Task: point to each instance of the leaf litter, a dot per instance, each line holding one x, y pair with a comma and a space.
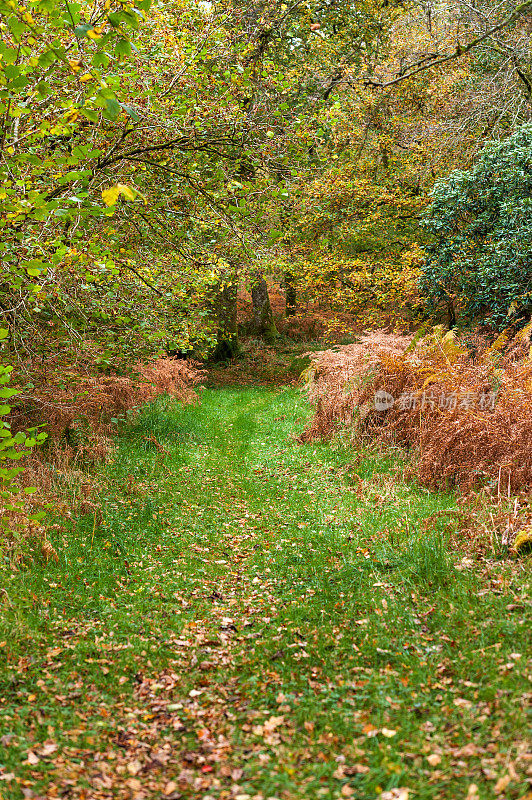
263, 672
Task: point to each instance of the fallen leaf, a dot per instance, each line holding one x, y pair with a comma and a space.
401, 793
434, 759
501, 784
32, 758
48, 748
134, 767
466, 751
388, 732
358, 769
272, 723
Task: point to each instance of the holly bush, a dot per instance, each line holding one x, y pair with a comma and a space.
480, 221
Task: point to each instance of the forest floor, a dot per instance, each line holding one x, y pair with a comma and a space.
249, 617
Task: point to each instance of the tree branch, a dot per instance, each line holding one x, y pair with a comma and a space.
148, 284
460, 50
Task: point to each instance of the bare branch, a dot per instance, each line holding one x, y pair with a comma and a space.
460, 50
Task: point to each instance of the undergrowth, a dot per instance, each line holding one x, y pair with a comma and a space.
461, 403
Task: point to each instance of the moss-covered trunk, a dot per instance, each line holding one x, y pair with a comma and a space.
263, 323
226, 322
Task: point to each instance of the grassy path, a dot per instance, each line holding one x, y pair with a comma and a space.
253, 618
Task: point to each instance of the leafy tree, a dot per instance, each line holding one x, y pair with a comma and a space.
479, 263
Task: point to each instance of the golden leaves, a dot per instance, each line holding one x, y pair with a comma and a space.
110, 196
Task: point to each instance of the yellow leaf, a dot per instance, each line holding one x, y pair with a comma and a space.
85, 78
127, 191
450, 346
111, 195
499, 342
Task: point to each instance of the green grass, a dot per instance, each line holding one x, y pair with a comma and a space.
303, 601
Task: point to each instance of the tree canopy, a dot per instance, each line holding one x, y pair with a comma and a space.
155, 157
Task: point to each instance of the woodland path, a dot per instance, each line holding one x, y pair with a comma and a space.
254, 618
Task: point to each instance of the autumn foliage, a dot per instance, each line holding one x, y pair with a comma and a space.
93, 401
462, 404
78, 421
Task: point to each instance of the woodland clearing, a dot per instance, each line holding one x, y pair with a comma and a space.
227, 229
254, 618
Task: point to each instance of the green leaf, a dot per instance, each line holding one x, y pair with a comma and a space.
82, 30
16, 26
101, 59
90, 114
112, 108
130, 112
47, 58
123, 47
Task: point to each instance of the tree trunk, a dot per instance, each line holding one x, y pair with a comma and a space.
226, 321
263, 323
290, 291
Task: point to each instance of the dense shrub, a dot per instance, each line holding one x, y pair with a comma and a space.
480, 264
463, 404
336, 379
70, 402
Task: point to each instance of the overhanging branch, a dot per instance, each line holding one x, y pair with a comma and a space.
460, 50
